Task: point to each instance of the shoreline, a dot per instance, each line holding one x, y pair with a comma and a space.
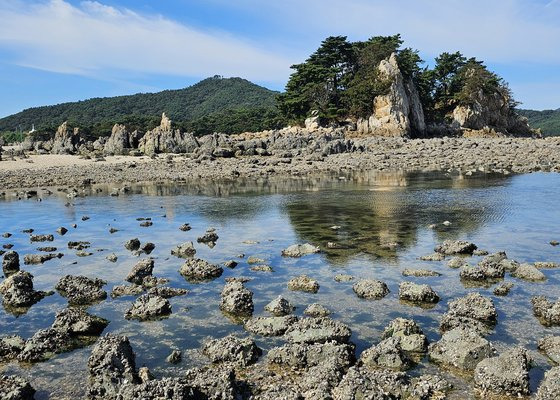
464, 155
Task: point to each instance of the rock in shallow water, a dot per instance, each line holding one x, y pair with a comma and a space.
149, 307
318, 330
232, 349
279, 307
236, 299
270, 326
370, 289
452, 247
303, 283
81, 290
412, 292
197, 270
300, 250
140, 271
546, 311
15, 388
472, 311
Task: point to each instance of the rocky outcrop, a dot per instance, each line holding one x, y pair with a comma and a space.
66, 140
163, 139
397, 113
121, 140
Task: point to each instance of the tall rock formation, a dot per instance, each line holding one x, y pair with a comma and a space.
164, 139
121, 140
399, 112
66, 140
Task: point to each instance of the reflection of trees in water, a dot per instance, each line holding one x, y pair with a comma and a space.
386, 218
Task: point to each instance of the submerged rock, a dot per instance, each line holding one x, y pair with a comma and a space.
81, 290
303, 283
472, 311
126, 290
270, 326
421, 273
200, 270
528, 272
412, 292
370, 289
550, 345
184, 250
140, 271
387, 354
318, 330
149, 307
461, 348
317, 310
236, 299
76, 321
547, 311
17, 291
10, 347
452, 247
299, 250
167, 292
505, 375
279, 307
44, 344
412, 339
232, 349
503, 289
34, 259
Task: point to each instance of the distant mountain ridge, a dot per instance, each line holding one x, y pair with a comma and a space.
547, 120
213, 104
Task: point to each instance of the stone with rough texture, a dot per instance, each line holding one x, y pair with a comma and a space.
317, 310
528, 272
241, 352
236, 299
66, 140
300, 250
184, 250
550, 385
547, 311
505, 375
370, 289
279, 307
200, 270
17, 290
140, 271
270, 326
76, 321
472, 311
387, 354
149, 307
81, 290
550, 345
15, 388
318, 330
165, 139
415, 293
10, 262
411, 336
453, 247
303, 283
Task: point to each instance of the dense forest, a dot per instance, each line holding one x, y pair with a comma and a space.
215, 104
548, 121
339, 80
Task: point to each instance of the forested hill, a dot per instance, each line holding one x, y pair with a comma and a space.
215, 104
548, 120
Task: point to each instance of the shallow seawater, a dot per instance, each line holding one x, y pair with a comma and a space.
517, 214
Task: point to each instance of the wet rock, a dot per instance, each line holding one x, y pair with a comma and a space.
318, 330
17, 291
261, 268
490, 268
62, 231
363, 383
317, 310
255, 260
461, 348
147, 247
140, 271
199, 270
112, 257
550, 345
433, 257
270, 326
132, 244
236, 299
387, 354
175, 357
528, 272
34, 259
10, 347
546, 265
503, 289
452, 247
420, 273
148, 307
509, 265
83, 253
429, 387
76, 321
279, 307
167, 292
81, 245
214, 383
126, 290
15, 388
230, 264
412, 339
210, 238
185, 227
232, 349
42, 238
303, 283
304, 355
505, 375
10, 263
550, 385
457, 262
343, 278
299, 250
185, 250
81, 290
472, 311
111, 366
146, 224
547, 311
412, 292
370, 289
47, 249
44, 344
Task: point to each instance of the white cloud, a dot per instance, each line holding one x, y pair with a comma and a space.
100, 41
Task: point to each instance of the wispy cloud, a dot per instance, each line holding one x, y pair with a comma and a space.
96, 40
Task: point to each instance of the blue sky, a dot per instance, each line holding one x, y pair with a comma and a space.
53, 51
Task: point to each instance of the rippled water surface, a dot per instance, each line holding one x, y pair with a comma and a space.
518, 214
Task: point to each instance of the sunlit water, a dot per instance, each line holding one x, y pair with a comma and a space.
518, 214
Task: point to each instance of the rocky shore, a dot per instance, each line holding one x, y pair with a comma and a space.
293, 153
